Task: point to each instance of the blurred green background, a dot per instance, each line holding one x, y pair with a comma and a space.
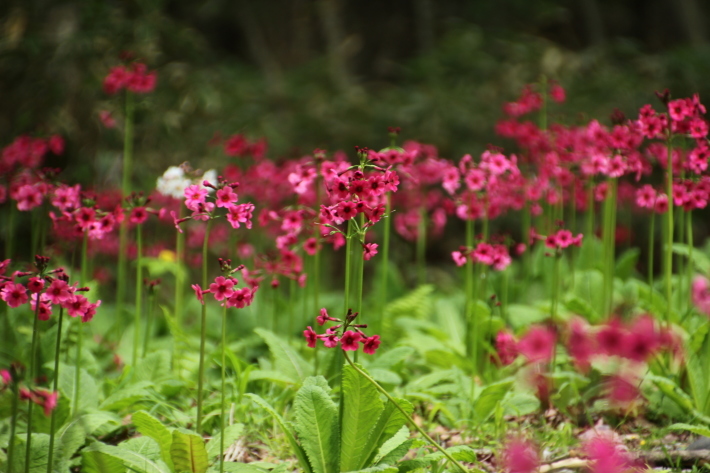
330, 74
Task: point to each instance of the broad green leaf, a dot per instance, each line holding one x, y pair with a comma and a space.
154, 368
88, 392
520, 404
390, 422
318, 381
581, 307
524, 315
128, 396
295, 446
392, 443
391, 358
416, 304
696, 429
286, 359
588, 285
99, 462
462, 453
234, 467
361, 411
385, 376
136, 462
317, 426
188, 452
491, 395
231, 434
151, 427
146, 446
699, 258
397, 453
39, 454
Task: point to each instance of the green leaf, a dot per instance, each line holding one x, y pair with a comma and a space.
361, 411
392, 443
391, 358
699, 258
151, 427
626, 263
295, 446
524, 315
146, 446
696, 429
286, 359
520, 404
39, 454
88, 392
397, 453
155, 367
128, 396
99, 462
488, 399
377, 469
231, 434
317, 426
134, 461
188, 452
390, 423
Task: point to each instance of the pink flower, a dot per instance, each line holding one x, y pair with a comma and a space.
14, 294
557, 93
56, 144
5, 377
310, 246
28, 197
50, 401
459, 258
519, 456
194, 196
138, 215
323, 317
371, 344
350, 339
507, 347
241, 298
226, 197
311, 337
241, 213
330, 340
76, 305
369, 250
199, 293
222, 287
607, 456
538, 344
35, 285
701, 295
58, 291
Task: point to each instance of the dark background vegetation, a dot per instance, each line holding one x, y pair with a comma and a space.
331, 73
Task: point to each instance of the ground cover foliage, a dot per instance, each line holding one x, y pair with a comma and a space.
421, 302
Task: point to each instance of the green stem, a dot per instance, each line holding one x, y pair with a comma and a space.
33, 375
179, 288
203, 332
668, 267
385, 261
149, 321
223, 407
125, 190
590, 210
404, 413
348, 268
555, 286
139, 295
52, 423
689, 269
470, 297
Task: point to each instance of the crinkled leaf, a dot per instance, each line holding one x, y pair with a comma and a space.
696, 429
286, 359
390, 422
491, 395
134, 461
361, 411
151, 427
188, 452
146, 446
88, 392
39, 454
128, 396
392, 443
155, 367
317, 426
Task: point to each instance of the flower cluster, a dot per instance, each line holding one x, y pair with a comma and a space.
44, 289
563, 239
349, 340
494, 255
135, 78
224, 288
225, 197
43, 398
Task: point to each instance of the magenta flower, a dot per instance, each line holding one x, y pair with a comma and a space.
226, 197
311, 337
222, 287
14, 294
199, 293
35, 285
607, 456
538, 344
241, 298
323, 317
519, 456
76, 305
370, 344
350, 339
58, 291
507, 347
369, 250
